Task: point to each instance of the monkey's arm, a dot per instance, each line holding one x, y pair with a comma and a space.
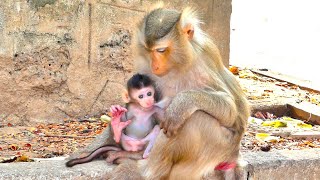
219, 105
117, 127
164, 103
158, 115
119, 121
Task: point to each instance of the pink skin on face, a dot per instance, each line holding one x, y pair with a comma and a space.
144, 96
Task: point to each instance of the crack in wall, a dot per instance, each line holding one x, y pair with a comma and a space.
90, 34
121, 7
64, 112
98, 96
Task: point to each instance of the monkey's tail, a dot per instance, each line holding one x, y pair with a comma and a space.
91, 156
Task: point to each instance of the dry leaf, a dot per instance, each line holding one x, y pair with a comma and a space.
234, 70
23, 158
13, 147
256, 120
247, 74
265, 147
27, 146
98, 131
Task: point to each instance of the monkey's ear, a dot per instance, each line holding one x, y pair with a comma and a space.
189, 30
125, 97
189, 22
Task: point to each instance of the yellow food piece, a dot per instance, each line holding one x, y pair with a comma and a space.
105, 118
276, 123
304, 125
280, 124
262, 136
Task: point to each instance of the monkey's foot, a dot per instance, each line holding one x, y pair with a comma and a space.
115, 155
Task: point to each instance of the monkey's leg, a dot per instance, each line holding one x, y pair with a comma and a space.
127, 170
216, 175
120, 161
230, 174
200, 145
93, 155
204, 144
151, 139
114, 155
158, 164
184, 170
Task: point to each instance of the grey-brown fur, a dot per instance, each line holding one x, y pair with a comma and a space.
159, 23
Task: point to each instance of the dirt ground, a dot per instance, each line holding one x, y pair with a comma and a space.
24, 143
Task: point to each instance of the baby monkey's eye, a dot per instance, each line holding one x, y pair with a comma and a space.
140, 96
149, 93
161, 50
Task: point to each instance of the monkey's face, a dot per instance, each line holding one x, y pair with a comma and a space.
171, 54
160, 58
144, 96
165, 42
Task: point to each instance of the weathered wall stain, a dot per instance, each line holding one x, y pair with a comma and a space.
41, 3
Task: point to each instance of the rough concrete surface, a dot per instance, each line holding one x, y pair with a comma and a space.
284, 164
64, 59
274, 165
53, 170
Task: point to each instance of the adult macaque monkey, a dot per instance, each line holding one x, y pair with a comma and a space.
207, 116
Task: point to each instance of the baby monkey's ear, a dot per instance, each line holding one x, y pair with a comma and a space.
125, 97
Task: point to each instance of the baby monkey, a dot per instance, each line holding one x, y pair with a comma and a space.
134, 127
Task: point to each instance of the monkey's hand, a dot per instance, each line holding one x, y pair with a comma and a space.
176, 114
219, 105
116, 124
117, 111
117, 128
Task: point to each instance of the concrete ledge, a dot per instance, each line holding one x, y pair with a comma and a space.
284, 164
55, 169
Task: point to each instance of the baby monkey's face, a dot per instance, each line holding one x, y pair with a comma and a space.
144, 96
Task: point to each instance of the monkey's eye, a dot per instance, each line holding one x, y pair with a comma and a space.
161, 50
149, 93
140, 96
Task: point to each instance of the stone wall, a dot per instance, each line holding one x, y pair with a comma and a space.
66, 58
